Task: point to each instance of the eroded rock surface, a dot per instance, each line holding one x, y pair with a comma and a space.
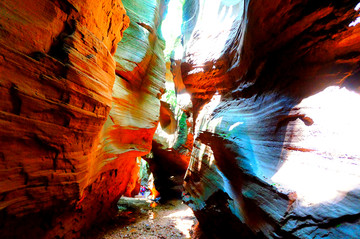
173, 138
140, 81
170, 156
139, 84
275, 129
70, 132
274, 86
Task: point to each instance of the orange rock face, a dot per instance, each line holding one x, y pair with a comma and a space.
71, 129
61, 167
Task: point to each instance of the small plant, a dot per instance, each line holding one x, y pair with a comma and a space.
170, 97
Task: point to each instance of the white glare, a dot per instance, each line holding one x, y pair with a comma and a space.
235, 125
330, 166
184, 100
207, 42
357, 8
183, 221
357, 20
171, 27
204, 119
354, 23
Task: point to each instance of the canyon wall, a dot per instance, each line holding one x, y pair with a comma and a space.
171, 148
139, 85
275, 89
70, 130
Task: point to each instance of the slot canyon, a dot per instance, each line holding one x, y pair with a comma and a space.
243, 109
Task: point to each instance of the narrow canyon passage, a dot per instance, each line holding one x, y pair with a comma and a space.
143, 118
138, 219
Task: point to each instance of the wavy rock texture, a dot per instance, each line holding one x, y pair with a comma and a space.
57, 73
273, 92
141, 72
139, 84
140, 81
171, 151
69, 139
173, 139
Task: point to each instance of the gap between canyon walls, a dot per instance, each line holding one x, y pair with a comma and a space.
144, 63
172, 143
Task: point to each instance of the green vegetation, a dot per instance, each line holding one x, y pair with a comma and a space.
183, 131
170, 97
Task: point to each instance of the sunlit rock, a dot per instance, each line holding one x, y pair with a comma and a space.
172, 142
70, 132
56, 78
139, 84
261, 121
274, 96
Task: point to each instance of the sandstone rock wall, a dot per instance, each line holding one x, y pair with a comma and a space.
274, 153
68, 138
139, 84
173, 138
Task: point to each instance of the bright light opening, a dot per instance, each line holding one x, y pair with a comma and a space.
204, 117
183, 100
207, 43
330, 169
171, 29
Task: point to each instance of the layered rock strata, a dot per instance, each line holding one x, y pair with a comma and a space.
273, 87
140, 80
173, 141
171, 151
70, 132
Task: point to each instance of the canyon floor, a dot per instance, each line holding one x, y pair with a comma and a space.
141, 218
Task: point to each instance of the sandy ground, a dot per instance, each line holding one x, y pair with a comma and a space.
137, 219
